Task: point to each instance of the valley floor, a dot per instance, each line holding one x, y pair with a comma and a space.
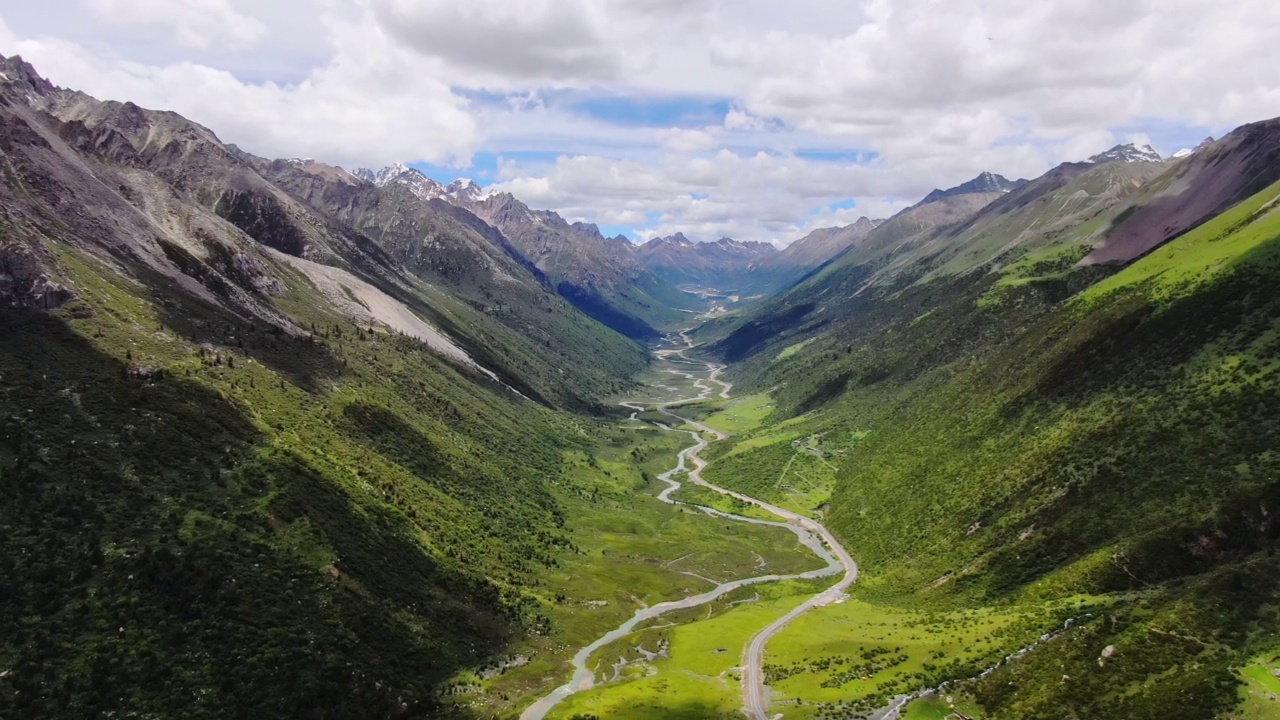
687, 586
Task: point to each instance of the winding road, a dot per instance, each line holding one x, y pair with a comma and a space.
755, 694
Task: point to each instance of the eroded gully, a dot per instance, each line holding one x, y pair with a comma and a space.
810, 533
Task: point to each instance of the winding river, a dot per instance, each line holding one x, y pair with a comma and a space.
810, 533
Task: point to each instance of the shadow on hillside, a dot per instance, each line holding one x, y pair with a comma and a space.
1157, 431
139, 574
393, 438
1131, 337
303, 360
590, 303
409, 614
755, 335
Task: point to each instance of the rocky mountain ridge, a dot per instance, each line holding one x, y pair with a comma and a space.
1129, 152
719, 264
985, 182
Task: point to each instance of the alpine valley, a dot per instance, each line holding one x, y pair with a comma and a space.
283, 440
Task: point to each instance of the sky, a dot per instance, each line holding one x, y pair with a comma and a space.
752, 119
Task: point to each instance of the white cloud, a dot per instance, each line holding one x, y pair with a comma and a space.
540, 40
1061, 66
760, 196
688, 141
194, 23
740, 120
505, 44
370, 104
818, 101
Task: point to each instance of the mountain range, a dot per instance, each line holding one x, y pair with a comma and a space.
600, 276
278, 439
718, 264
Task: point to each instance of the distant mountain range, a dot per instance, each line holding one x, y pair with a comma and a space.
984, 183
720, 264
600, 276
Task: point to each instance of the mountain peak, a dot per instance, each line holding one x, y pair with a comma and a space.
1188, 152
400, 174
16, 71
677, 239
1127, 153
462, 190
986, 182
466, 190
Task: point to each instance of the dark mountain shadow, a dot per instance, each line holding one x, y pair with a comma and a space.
303, 359
1132, 335
388, 435
595, 307
140, 573
753, 335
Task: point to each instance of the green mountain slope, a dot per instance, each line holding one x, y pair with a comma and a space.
1032, 429
254, 467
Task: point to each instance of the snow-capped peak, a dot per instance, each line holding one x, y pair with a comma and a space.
466, 190
417, 183
1127, 153
462, 190
1188, 152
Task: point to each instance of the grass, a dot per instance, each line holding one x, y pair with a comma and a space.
628, 549
353, 521
940, 708
1033, 447
857, 655
791, 350
1202, 253
736, 416
700, 671
1260, 689
796, 470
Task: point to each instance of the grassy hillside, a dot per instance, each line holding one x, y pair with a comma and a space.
1018, 437
258, 467
175, 473
215, 517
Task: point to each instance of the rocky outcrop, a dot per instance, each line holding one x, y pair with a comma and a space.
25, 281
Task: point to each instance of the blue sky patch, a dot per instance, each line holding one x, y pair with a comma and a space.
484, 166
857, 157
679, 111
